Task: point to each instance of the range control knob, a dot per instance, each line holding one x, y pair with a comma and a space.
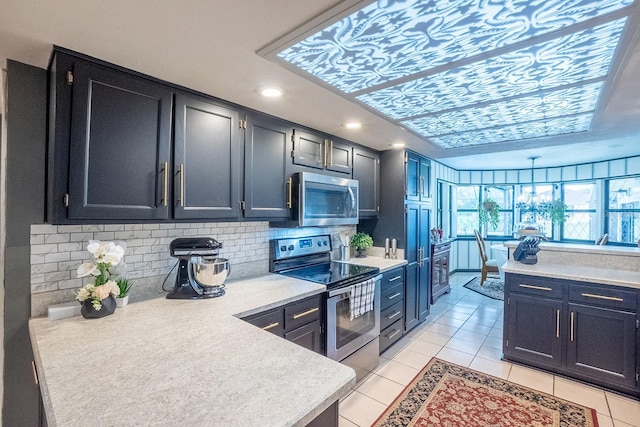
283, 248
290, 247
324, 243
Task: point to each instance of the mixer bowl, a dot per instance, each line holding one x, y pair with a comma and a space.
211, 272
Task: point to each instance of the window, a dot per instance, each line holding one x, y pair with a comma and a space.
504, 196
528, 213
581, 202
467, 201
623, 210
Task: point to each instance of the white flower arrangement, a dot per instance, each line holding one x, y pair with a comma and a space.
104, 256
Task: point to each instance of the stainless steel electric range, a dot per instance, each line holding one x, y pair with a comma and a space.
352, 335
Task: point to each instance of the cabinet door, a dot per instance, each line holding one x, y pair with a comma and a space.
413, 257
412, 179
265, 186
308, 336
424, 292
366, 169
207, 160
602, 344
339, 157
424, 177
411, 296
308, 150
120, 146
534, 330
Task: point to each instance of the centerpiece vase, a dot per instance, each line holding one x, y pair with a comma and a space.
361, 252
108, 307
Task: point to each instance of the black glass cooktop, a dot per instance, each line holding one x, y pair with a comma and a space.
333, 273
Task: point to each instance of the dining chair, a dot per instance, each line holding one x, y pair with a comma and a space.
488, 265
602, 240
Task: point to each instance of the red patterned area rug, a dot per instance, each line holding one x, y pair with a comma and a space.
444, 394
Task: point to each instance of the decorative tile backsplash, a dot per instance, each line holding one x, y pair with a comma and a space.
57, 251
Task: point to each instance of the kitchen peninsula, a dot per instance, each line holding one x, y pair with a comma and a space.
186, 362
575, 313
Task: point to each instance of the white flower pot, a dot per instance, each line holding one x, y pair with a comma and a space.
121, 302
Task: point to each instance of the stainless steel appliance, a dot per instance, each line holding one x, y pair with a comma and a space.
323, 200
352, 340
201, 274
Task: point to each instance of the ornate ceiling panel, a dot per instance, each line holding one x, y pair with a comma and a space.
468, 72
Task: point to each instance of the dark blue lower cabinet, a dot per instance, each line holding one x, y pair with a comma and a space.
602, 345
586, 331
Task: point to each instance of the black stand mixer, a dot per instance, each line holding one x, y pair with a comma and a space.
201, 274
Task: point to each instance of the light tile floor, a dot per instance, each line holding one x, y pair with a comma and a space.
465, 327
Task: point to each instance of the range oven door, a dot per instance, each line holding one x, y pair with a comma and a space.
324, 200
346, 336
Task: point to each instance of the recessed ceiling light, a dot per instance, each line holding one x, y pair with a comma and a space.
398, 145
353, 125
270, 91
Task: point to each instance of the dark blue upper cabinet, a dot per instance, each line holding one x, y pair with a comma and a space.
206, 170
119, 150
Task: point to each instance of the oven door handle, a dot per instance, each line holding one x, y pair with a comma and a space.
347, 289
341, 291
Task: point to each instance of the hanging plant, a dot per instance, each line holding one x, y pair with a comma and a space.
489, 212
555, 210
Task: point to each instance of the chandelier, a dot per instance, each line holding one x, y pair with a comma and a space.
536, 209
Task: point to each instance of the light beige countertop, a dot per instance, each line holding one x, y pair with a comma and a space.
185, 362
626, 251
384, 264
581, 273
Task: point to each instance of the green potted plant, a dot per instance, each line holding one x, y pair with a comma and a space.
361, 241
489, 212
125, 287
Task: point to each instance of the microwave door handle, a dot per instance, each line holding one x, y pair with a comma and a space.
352, 200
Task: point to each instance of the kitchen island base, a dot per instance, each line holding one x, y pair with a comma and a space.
582, 330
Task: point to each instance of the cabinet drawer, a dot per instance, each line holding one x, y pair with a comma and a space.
303, 312
390, 335
391, 295
390, 315
441, 248
604, 296
547, 288
271, 321
391, 278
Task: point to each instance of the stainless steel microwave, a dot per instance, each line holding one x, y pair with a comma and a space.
323, 200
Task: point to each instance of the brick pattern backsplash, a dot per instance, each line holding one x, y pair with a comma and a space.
57, 251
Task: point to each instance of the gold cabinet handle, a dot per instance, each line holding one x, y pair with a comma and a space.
325, 153
182, 184
393, 334
394, 315
166, 183
270, 326
603, 297
540, 288
305, 313
331, 155
35, 373
290, 199
557, 323
395, 295
572, 326
393, 279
